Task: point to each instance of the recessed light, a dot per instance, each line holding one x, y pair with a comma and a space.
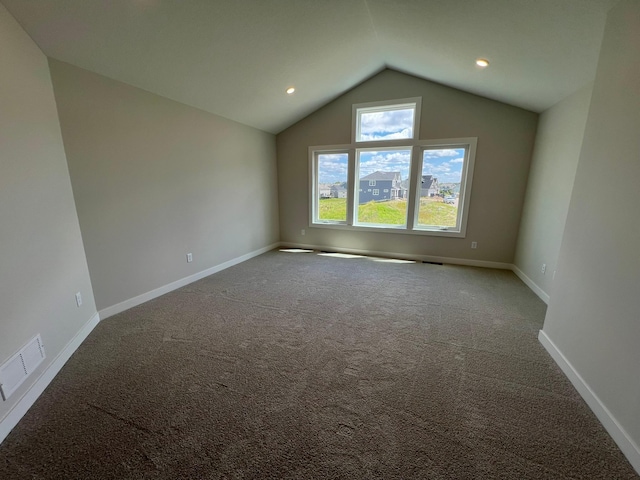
482, 62
290, 90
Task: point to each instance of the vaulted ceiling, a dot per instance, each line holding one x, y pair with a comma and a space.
235, 58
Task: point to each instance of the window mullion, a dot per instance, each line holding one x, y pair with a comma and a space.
414, 187
351, 182
313, 173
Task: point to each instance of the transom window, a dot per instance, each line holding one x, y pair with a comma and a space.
384, 121
389, 180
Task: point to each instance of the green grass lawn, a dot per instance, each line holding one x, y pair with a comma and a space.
332, 209
390, 213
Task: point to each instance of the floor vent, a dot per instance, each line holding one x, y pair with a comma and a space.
20, 366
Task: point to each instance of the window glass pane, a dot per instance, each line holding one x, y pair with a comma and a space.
385, 123
332, 186
440, 187
383, 186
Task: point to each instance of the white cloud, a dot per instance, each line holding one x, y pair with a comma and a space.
447, 152
457, 160
405, 133
333, 157
386, 125
391, 161
444, 171
431, 169
332, 167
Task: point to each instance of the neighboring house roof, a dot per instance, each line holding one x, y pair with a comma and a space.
338, 188
428, 181
381, 176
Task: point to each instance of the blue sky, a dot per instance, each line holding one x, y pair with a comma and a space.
386, 125
332, 167
444, 164
385, 161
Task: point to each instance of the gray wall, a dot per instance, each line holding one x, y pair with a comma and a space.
594, 313
553, 169
42, 262
505, 141
154, 179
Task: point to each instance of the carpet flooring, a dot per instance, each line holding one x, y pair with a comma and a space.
307, 366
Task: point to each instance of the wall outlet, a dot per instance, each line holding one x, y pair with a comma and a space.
79, 299
302, 232
474, 244
189, 257
544, 268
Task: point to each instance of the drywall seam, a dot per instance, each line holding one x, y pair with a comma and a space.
145, 297
608, 421
544, 296
31, 395
420, 258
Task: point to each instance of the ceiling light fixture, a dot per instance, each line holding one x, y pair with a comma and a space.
290, 90
482, 62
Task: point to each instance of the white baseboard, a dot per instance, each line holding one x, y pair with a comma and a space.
145, 297
31, 395
418, 258
608, 421
531, 284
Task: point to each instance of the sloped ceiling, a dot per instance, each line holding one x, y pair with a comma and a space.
235, 58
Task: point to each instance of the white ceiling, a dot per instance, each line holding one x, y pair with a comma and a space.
235, 58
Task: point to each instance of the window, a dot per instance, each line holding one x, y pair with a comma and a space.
389, 168
384, 121
330, 186
387, 179
442, 181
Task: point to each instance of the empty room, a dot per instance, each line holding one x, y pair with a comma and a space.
300, 239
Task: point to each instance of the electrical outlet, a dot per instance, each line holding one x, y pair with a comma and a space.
189, 257
302, 232
79, 299
544, 268
474, 244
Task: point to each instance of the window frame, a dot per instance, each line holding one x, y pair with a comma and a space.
380, 147
417, 148
314, 153
381, 106
464, 199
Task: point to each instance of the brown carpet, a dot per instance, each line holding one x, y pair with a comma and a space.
301, 366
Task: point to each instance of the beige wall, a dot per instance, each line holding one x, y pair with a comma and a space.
505, 141
594, 313
42, 261
154, 180
553, 169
